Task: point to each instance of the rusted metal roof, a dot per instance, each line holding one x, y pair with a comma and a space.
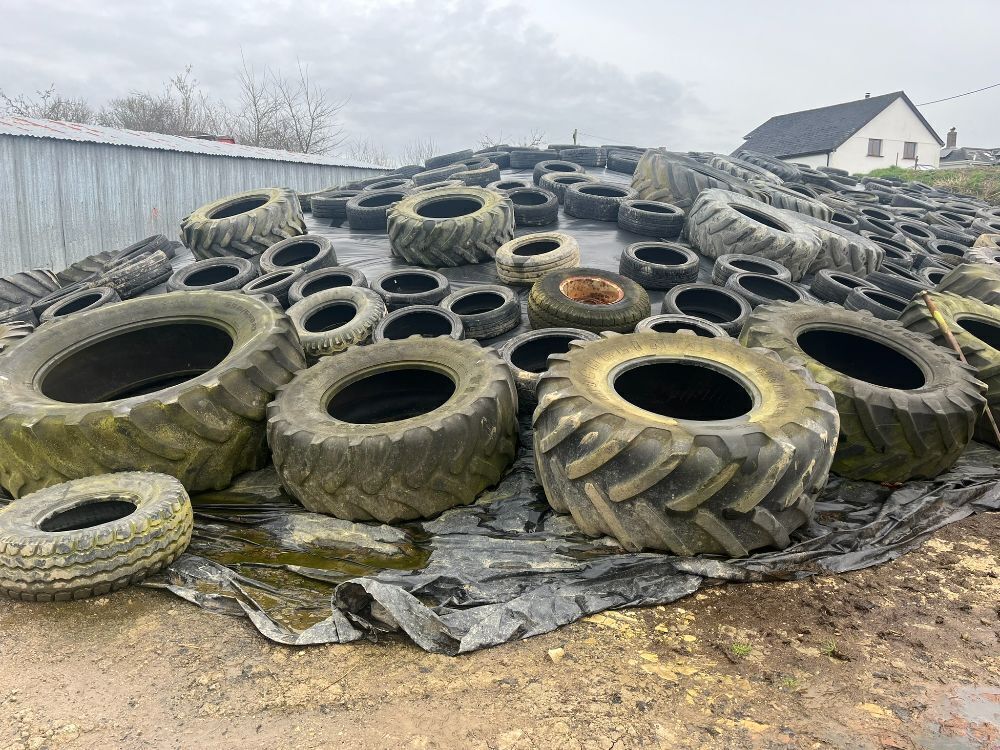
72, 131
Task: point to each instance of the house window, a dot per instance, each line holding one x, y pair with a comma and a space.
909, 150
874, 146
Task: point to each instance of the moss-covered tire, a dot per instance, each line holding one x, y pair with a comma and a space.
173, 383
907, 407
722, 222
244, 225
842, 249
977, 280
789, 200
673, 178
92, 536
682, 443
331, 321
450, 226
588, 298
395, 431
976, 327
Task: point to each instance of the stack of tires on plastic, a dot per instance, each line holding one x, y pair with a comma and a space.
791, 340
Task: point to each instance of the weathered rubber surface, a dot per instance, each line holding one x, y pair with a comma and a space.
548, 307
320, 338
946, 252
986, 254
437, 175
584, 156
716, 226
835, 286
659, 265
988, 240
391, 183
442, 160
60, 565
85, 299
246, 234
980, 281
332, 205
673, 178
557, 182
982, 354
369, 209
886, 434
527, 357
277, 283
472, 238
475, 307
213, 274
651, 218
726, 265
419, 320
525, 259
533, 207
723, 307
13, 331
84, 268
436, 185
842, 249
555, 167
306, 252
724, 486
676, 323
527, 158
764, 289
595, 200
325, 278
397, 287
784, 170
395, 471
203, 430
480, 176
745, 170
899, 281
878, 302
25, 287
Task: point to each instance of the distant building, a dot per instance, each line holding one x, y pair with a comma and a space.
859, 136
953, 157
69, 190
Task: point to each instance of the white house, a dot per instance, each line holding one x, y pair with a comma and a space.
859, 136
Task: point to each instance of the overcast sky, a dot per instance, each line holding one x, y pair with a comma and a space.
687, 75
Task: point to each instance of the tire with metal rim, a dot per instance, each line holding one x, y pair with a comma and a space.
172, 383
721, 306
907, 407
92, 536
334, 320
761, 289
525, 259
450, 226
834, 286
395, 431
325, 278
651, 218
659, 265
427, 321
674, 323
720, 222
486, 310
307, 252
527, 356
588, 298
213, 274
86, 299
411, 286
596, 200
726, 265
682, 443
243, 225
976, 327
677, 179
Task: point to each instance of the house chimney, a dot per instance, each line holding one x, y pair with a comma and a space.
952, 138
868, 94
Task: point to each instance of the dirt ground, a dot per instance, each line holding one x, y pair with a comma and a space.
900, 656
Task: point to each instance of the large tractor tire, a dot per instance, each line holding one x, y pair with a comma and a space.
395, 431
450, 226
682, 443
665, 176
92, 536
174, 383
907, 407
980, 281
244, 225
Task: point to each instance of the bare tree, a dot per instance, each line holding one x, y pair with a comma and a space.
531, 140
366, 150
308, 118
47, 105
417, 151
179, 109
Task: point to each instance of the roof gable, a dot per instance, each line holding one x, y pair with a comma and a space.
817, 131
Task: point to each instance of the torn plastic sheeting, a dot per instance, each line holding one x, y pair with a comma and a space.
508, 567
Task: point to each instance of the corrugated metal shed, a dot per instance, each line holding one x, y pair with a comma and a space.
69, 190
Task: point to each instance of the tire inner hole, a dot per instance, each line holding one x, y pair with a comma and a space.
448, 208
477, 302
533, 355
660, 256
408, 283
682, 390
213, 275
89, 513
237, 207
77, 304
859, 357
331, 316
391, 396
426, 323
759, 217
708, 304
296, 254
769, 287
538, 247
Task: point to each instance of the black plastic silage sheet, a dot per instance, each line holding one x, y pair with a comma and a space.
507, 567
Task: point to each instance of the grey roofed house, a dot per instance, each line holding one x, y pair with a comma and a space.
823, 130
969, 156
